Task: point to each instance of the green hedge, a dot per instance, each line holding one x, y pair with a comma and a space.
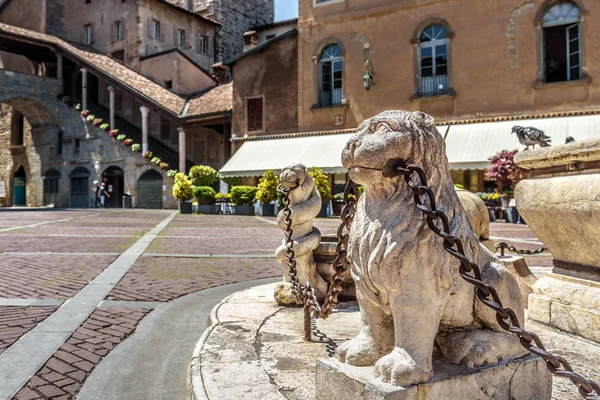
204, 195
243, 195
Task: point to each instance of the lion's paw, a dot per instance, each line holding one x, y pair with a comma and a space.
399, 368
360, 351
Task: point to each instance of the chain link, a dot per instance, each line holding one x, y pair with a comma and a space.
305, 294
505, 246
471, 273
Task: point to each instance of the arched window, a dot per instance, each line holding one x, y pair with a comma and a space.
562, 43
330, 76
433, 61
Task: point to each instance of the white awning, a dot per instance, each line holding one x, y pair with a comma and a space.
255, 157
470, 146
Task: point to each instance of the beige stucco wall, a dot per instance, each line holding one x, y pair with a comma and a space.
273, 74
487, 77
20, 13
186, 77
170, 20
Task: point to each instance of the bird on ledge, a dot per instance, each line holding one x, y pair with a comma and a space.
530, 136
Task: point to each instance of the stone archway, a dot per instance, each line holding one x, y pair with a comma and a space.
114, 179
149, 190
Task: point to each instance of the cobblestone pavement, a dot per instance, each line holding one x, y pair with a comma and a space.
54, 255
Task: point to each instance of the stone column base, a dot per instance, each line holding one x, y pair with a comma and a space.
569, 304
526, 378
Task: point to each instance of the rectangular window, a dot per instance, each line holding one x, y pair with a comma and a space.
169, 84
118, 31
59, 145
255, 114
155, 30
180, 38
433, 68
88, 32
562, 53
77, 146
203, 45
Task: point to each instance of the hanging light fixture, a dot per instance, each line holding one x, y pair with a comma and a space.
368, 77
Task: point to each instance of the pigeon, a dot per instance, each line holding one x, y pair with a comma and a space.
570, 139
530, 136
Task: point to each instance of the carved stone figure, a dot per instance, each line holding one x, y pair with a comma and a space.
477, 213
305, 203
409, 290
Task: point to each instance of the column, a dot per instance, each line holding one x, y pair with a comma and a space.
182, 156
145, 111
83, 89
59, 66
111, 99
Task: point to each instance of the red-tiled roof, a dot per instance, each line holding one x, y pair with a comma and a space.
214, 101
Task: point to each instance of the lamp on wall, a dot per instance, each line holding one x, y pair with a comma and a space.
368, 77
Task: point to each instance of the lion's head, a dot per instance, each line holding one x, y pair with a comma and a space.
410, 136
292, 175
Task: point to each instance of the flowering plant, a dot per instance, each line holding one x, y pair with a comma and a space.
148, 155
504, 171
219, 196
128, 142
97, 122
172, 172
104, 127
90, 118
156, 160
164, 165
84, 113
121, 138
113, 133
136, 147
78, 107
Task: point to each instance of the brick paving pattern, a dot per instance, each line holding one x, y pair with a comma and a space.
224, 232
63, 375
48, 276
72, 244
17, 321
165, 279
56, 229
255, 246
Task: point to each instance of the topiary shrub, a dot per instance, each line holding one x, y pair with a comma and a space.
232, 180
322, 182
183, 189
243, 195
203, 175
205, 195
267, 187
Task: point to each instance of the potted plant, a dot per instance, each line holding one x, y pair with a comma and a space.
78, 107
338, 203
164, 165
136, 147
105, 127
203, 175
322, 184
205, 196
121, 138
90, 118
156, 160
266, 193
148, 155
97, 122
84, 114
171, 173
243, 198
183, 191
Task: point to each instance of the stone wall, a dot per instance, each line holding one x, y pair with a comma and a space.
83, 146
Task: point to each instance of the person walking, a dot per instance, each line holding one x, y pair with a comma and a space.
102, 194
96, 190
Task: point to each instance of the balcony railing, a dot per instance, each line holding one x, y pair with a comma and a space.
434, 85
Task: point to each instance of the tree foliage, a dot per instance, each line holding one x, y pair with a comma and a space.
203, 175
183, 189
504, 171
267, 187
322, 182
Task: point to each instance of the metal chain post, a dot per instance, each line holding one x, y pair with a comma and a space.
305, 294
505, 316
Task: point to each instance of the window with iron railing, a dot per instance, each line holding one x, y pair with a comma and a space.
433, 61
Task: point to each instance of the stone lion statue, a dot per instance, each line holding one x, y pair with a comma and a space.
305, 203
410, 294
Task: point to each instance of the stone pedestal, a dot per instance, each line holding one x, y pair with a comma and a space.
526, 378
559, 202
569, 304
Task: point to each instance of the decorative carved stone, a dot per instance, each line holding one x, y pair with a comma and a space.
408, 288
305, 203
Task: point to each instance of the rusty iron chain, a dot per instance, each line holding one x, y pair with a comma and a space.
305, 294
502, 246
505, 316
